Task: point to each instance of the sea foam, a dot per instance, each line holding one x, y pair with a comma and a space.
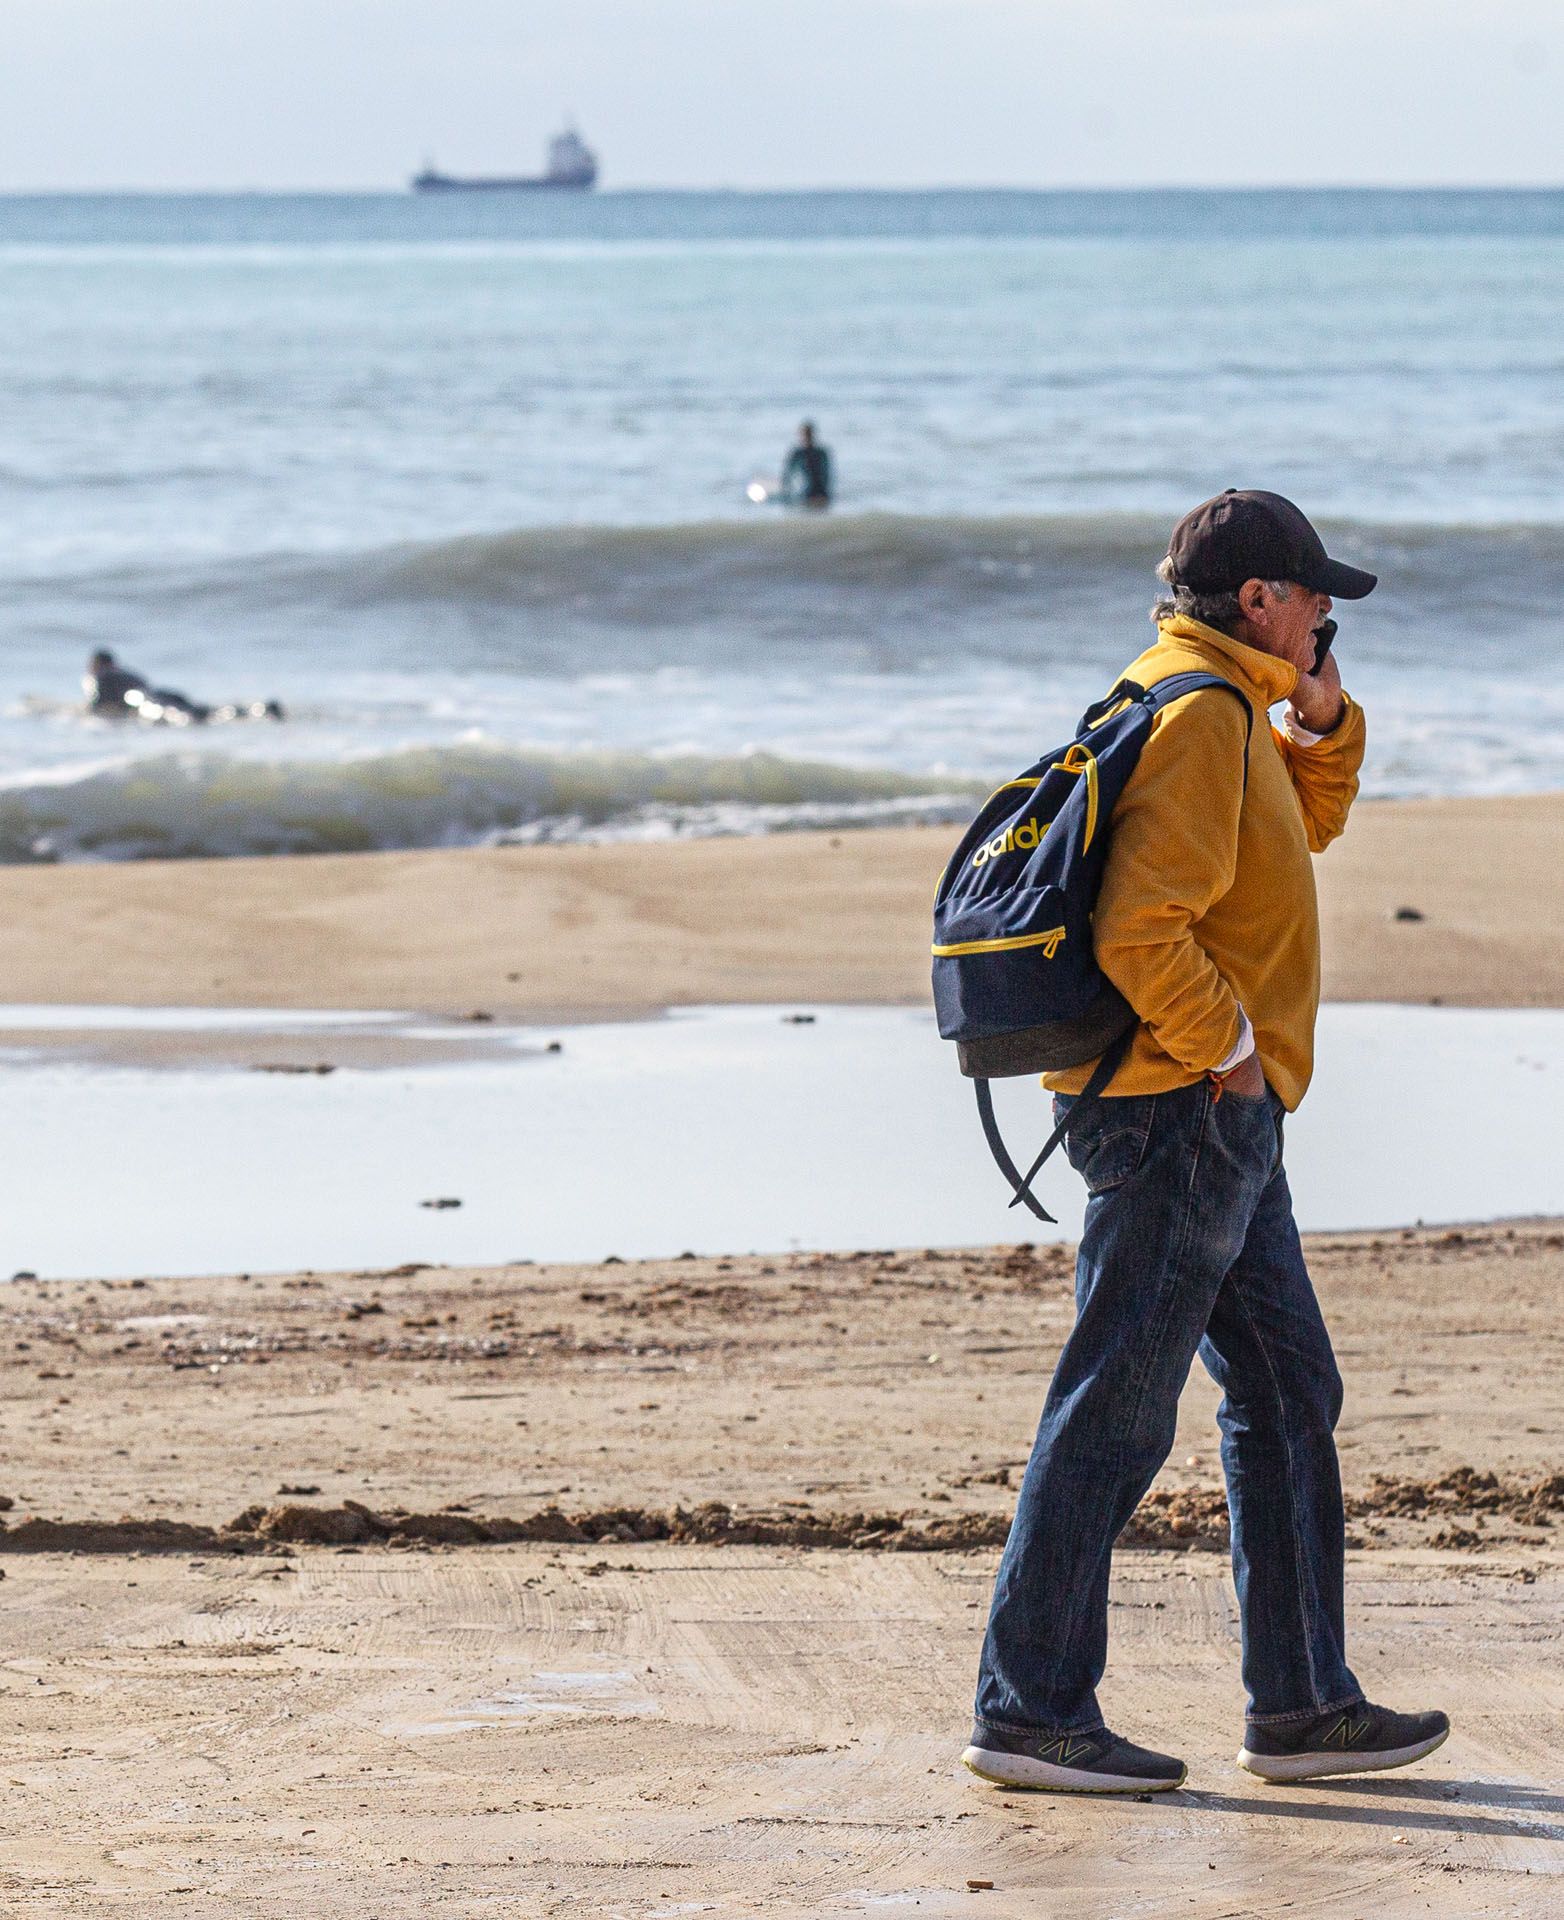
194, 804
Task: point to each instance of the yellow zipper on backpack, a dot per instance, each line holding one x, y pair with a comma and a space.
1050, 940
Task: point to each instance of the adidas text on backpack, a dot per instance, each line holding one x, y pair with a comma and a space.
1016, 980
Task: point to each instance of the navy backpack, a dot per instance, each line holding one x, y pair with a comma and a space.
1016, 980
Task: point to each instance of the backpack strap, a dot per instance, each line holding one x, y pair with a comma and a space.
1162, 693
1115, 697
1021, 1184
1001, 1153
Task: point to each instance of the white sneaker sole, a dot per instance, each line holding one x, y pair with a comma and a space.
1320, 1766
1017, 1771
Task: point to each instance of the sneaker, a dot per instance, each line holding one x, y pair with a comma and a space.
1097, 1762
1355, 1739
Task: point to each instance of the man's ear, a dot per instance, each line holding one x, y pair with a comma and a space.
1251, 601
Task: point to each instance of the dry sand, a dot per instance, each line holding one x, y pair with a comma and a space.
551, 932
539, 1673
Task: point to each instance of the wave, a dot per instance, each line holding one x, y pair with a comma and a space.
665, 575
662, 576
633, 569
652, 575
199, 805
857, 595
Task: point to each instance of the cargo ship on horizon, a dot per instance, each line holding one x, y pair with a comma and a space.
572, 168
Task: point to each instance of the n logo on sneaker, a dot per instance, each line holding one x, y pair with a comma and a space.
1066, 1750
1346, 1732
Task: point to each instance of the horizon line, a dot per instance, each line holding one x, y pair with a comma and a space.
402, 189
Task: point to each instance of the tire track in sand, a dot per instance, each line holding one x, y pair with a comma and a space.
765, 1732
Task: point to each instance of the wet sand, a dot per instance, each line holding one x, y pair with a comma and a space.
451, 1591
593, 932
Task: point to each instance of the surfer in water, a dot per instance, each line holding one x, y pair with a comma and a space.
806, 473
115, 693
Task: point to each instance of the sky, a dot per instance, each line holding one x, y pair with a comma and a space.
162, 94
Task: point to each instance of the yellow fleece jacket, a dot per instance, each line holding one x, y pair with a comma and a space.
1207, 902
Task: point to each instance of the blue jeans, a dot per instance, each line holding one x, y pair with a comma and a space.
1189, 1246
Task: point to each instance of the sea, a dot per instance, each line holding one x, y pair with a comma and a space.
461, 482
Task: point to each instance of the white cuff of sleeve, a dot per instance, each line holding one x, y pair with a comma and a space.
1297, 732
1243, 1046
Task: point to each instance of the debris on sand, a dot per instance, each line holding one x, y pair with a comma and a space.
1179, 1517
1462, 1491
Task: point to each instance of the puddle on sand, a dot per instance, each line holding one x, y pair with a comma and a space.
711, 1122
614, 1695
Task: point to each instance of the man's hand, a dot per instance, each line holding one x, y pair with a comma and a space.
1316, 700
1247, 1079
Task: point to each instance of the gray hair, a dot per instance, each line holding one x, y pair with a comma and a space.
1219, 610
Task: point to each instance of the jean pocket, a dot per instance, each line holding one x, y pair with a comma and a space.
1107, 1140
1250, 1126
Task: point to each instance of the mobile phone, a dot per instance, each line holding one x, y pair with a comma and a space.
1324, 634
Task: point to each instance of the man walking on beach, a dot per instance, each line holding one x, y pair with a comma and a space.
1206, 922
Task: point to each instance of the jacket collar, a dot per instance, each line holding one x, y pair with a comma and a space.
1261, 675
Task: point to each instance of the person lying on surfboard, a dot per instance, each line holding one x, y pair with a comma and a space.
114, 692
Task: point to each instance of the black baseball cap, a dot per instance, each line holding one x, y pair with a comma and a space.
1250, 535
